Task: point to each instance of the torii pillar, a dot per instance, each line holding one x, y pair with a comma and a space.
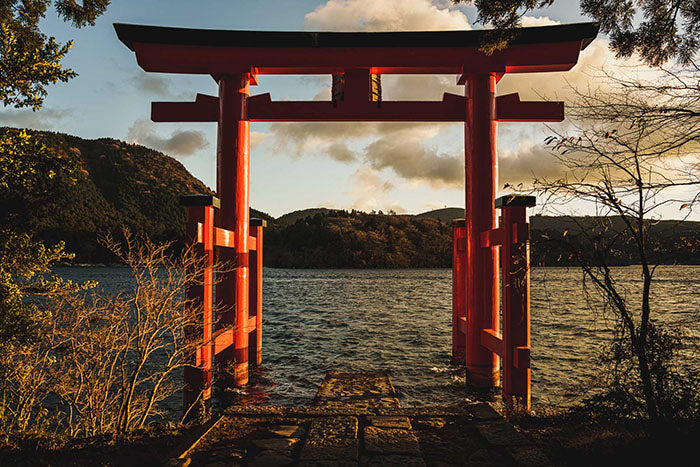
232, 187
481, 170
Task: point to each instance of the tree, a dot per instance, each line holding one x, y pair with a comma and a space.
106, 362
30, 62
30, 59
634, 150
670, 28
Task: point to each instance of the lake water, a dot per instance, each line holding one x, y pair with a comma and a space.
400, 320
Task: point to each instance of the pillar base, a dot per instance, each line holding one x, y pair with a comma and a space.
240, 374
483, 377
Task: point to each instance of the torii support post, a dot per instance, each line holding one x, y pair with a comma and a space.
233, 150
482, 263
200, 233
255, 295
514, 344
515, 274
459, 290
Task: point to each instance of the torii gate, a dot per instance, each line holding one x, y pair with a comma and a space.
356, 61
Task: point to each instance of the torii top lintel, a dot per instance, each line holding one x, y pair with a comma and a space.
357, 56
180, 50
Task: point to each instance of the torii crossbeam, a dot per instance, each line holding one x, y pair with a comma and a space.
236, 58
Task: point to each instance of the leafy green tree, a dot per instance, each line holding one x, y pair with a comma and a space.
30, 61
670, 29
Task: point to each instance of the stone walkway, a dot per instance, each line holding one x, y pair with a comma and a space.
356, 420
386, 439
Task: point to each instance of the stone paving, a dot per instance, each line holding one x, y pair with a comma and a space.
356, 420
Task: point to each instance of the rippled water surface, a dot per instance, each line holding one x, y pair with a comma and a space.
400, 320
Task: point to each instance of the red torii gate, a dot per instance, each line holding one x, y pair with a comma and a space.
235, 59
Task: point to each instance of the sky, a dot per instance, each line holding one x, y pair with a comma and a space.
404, 167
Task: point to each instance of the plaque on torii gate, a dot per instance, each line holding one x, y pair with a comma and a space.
236, 58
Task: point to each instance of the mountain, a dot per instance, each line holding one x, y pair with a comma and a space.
117, 184
342, 239
294, 216
669, 241
444, 215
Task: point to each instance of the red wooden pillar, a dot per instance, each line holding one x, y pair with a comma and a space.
482, 263
200, 231
459, 290
515, 273
232, 184
255, 293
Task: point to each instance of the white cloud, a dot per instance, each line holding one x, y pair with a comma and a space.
180, 142
398, 146
43, 119
152, 84
371, 192
409, 158
387, 15
406, 148
258, 138
532, 21
529, 160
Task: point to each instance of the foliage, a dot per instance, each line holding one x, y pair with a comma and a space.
342, 239
621, 394
27, 173
633, 152
670, 29
25, 270
31, 60
105, 363
111, 184
100, 185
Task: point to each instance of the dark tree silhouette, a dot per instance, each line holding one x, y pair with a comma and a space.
670, 29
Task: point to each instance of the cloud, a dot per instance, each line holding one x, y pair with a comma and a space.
410, 159
42, 119
399, 147
419, 87
180, 142
388, 15
522, 153
558, 86
371, 192
405, 148
152, 84
532, 21
257, 138
529, 160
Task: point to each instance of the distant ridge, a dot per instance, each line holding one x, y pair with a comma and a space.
119, 184
444, 214
294, 216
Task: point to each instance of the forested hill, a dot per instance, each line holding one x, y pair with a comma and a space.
117, 184
342, 239
319, 238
